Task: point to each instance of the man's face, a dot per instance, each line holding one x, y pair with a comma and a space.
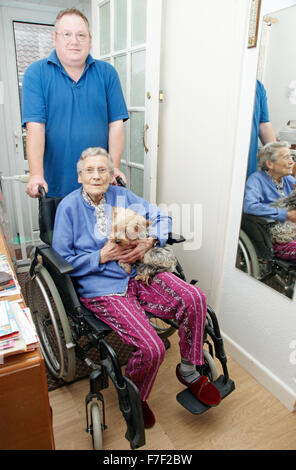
72, 40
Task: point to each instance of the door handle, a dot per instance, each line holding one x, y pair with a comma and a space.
144, 138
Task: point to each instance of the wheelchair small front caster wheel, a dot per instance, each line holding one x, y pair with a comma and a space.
96, 427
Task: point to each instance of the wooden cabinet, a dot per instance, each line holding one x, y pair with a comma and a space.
25, 414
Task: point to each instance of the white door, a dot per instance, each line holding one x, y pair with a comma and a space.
27, 37
127, 34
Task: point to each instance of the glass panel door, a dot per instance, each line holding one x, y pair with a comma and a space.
122, 43
32, 42
26, 37
127, 34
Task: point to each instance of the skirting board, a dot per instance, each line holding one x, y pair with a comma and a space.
286, 395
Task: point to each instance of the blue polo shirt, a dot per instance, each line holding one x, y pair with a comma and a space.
76, 114
260, 114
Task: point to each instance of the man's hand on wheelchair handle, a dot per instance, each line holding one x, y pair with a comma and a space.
118, 173
32, 187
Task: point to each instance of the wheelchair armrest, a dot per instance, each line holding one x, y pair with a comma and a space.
258, 219
265, 221
59, 264
175, 238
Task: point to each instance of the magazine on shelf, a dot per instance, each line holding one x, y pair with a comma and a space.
8, 325
26, 338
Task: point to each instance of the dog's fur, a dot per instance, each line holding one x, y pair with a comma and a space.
284, 232
127, 225
287, 202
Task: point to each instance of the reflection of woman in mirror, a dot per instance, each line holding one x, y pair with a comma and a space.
273, 181
261, 127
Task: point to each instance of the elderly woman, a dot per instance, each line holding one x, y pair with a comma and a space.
273, 181
82, 226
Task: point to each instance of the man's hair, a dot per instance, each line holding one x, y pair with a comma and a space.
270, 152
71, 11
94, 152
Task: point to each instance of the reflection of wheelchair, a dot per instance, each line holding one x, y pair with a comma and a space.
255, 254
64, 321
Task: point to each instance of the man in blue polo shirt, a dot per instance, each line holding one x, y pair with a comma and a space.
70, 102
261, 127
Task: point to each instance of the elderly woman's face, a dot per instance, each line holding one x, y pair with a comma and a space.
95, 176
284, 164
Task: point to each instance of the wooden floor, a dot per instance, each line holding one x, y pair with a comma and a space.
249, 418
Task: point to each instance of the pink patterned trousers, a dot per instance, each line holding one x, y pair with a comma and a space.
167, 297
285, 250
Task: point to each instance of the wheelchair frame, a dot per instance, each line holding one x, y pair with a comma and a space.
67, 321
255, 250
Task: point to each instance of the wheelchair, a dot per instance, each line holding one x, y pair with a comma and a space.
255, 255
61, 325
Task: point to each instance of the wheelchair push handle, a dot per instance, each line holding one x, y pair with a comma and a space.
120, 181
41, 191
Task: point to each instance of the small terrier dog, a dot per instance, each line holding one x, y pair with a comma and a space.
287, 202
127, 225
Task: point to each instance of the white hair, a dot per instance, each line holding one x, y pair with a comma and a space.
94, 152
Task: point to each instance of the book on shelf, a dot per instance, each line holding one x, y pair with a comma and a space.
24, 338
8, 283
26, 325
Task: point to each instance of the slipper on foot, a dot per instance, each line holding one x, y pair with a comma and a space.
202, 389
148, 415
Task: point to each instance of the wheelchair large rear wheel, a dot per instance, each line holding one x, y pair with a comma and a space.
247, 259
163, 329
52, 326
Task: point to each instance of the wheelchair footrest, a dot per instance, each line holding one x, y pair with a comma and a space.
192, 404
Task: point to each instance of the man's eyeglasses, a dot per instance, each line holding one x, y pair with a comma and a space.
80, 37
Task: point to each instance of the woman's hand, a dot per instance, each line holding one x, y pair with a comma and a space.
291, 216
113, 251
140, 247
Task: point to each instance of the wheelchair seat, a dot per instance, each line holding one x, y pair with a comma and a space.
256, 254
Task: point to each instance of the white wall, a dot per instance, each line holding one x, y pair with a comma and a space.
259, 324
200, 74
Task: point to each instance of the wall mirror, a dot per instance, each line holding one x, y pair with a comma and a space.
277, 73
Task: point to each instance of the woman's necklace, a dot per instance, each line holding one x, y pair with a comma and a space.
279, 184
102, 220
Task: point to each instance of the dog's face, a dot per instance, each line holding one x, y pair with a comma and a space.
127, 225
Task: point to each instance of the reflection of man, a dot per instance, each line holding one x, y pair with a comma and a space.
70, 102
261, 127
